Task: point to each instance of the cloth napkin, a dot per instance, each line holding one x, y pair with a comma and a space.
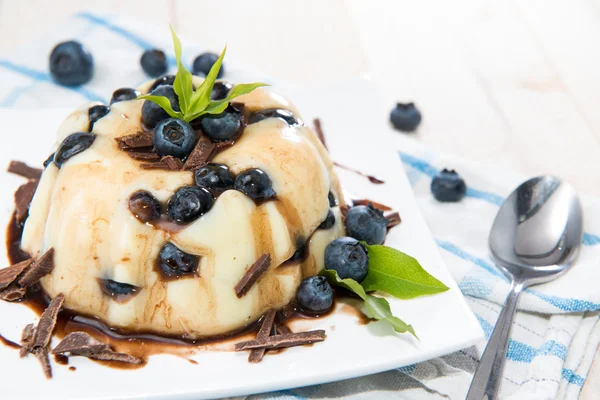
556, 331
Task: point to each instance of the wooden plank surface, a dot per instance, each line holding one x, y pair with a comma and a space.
511, 82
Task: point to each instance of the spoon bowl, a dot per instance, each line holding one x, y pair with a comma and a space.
534, 239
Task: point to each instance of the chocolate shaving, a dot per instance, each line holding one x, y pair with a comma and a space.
319, 131
257, 355
201, 154
282, 329
42, 355
224, 143
13, 293
172, 163
43, 332
24, 170
143, 156
344, 210
10, 274
366, 202
251, 276
140, 139
169, 163
82, 344
27, 340
40, 268
23, 197
282, 341
393, 219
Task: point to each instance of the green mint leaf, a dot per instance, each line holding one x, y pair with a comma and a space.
201, 97
164, 103
195, 103
243, 88
378, 308
394, 272
183, 78
375, 307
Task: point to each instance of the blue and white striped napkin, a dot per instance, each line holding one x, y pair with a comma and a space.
556, 332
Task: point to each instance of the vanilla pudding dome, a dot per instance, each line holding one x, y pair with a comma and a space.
178, 229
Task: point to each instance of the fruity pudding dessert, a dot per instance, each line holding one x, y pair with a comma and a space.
193, 208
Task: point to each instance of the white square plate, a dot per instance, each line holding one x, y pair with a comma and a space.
357, 137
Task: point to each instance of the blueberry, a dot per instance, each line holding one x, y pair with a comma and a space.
331, 198
222, 126
73, 144
154, 62
144, 206
348, 257
220, 90
215, 177
285, 115
329, 221
168, 80
189, 203
300, 253
71, 64
366, 223
204, 62
315, 295
174, 262
97, 112
448, 186
152, 113
49, 160
255, 184
405, 117
173, 137
117, 289
124, 94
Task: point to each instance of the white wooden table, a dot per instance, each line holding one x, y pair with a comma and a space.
516, 83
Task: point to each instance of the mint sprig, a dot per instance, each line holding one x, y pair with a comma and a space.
375, 307
195, 103
393, 272
396, 273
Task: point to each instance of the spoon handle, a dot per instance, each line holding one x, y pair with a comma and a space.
486, 380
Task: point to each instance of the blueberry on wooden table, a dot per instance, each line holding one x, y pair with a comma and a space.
189, 203
204, 62
154, 62
255, 183
124, 94
366, 223
448, 186
222, 126
348, 257
215, 177
73, 144
173, 137
405, 117
152, 113
315, 295
174, 262
144, 206
71, 64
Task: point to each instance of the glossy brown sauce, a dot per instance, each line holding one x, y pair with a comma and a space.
371, 178
9, 343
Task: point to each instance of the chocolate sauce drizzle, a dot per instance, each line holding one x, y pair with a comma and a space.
371, 178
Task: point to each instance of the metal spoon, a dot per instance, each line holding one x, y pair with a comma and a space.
535, 238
